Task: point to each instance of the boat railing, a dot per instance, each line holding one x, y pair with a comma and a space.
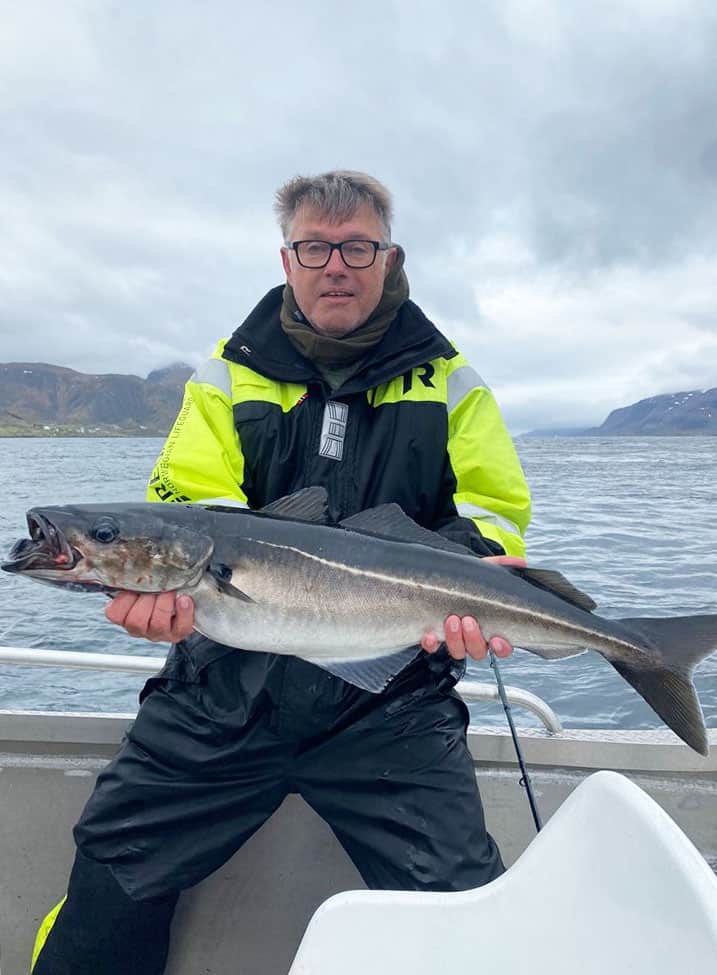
474, 690
470, 690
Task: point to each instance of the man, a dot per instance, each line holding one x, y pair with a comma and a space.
335, 380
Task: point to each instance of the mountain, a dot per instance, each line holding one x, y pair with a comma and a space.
545, 432
37, 399
175, 375
692, 413
669, 415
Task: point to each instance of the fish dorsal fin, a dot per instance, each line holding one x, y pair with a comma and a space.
390, 521
308, 504
556, 583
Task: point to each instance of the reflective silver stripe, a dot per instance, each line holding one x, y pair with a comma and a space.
333, 430
214, 372
460, 382
227, 502
473, 511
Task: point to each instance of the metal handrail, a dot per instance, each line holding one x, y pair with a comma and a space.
31, 657
473, 690
470, 690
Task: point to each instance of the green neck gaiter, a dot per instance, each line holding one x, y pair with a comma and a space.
331, 353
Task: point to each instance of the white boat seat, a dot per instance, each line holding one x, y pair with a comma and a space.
611, 885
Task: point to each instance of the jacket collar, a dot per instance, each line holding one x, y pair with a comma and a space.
261, 344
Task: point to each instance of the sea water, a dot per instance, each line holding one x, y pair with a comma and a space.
632, 522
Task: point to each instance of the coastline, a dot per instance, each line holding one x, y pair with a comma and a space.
95, 431
38, 432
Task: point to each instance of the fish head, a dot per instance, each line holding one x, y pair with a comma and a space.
141, 548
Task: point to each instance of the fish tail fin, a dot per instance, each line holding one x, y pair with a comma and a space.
681, 642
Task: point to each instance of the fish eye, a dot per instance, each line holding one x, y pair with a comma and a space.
105, 531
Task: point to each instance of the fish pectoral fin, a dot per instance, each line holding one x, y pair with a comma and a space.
222, 576
370, 675
555, 582
308, 504
391, 522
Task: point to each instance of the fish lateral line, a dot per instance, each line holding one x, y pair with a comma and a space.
508, 606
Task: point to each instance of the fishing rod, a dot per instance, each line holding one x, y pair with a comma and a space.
525, 780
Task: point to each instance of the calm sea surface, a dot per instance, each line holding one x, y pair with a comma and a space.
633, 522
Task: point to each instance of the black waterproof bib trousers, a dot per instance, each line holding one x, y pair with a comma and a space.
209, 759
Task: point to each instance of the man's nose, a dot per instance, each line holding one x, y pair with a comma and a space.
336, 263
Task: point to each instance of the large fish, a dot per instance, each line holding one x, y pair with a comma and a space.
354, 598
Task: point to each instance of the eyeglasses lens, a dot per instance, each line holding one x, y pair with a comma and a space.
317, 253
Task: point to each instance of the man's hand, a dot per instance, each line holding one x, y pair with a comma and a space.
463, 634
163, 618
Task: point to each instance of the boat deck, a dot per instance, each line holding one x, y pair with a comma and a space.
250, 916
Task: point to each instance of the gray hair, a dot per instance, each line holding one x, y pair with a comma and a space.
336, 195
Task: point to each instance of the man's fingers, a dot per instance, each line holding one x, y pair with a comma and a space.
183, 618
515, 560
453, 635
473, 638
500, 646
463, 635
160, 618
116, 610
463, 638
138, 617
430, 642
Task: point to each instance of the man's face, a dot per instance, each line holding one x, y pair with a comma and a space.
336, 299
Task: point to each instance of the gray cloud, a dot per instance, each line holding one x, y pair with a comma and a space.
553, 165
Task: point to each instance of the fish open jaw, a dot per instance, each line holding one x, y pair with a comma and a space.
45, 549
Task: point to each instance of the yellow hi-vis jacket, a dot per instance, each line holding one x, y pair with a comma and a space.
415, 425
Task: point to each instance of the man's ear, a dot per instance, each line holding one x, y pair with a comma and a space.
391, 255
287, 265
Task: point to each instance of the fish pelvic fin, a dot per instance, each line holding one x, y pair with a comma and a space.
681, 642
372, 675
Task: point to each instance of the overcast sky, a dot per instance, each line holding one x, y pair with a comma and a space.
553, 165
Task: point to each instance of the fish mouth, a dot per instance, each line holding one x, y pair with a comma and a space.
46, 548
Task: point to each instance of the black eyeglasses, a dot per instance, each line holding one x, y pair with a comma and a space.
354, 253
